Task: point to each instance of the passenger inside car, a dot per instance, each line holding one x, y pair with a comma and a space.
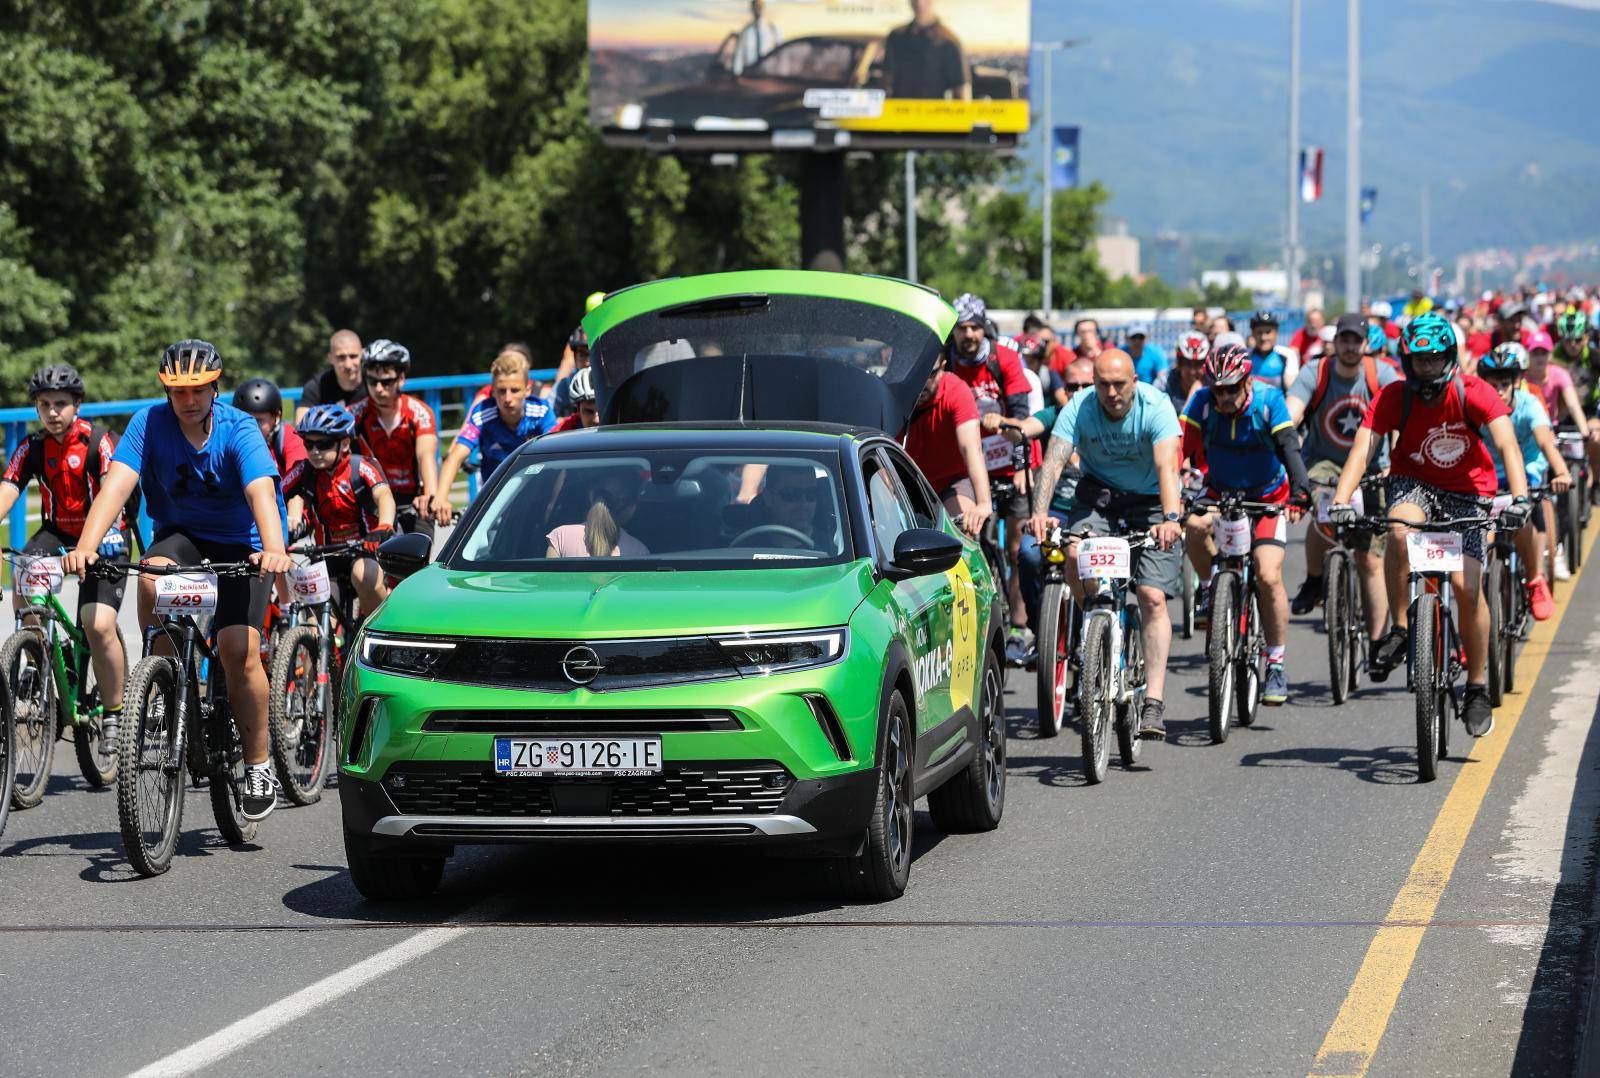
613, 498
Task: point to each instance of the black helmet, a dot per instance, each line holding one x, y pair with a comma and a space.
256, 395
190, 363
385, 353
58, 377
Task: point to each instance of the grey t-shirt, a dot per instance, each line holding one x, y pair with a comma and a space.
1328, 434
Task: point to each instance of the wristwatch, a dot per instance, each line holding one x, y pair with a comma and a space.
1171, 518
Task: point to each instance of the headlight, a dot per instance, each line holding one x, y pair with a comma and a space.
403, 654
771, 653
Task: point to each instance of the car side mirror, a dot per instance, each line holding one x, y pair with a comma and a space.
403, 555
923, 552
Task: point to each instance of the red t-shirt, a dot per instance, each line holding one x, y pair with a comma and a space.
66, 484
1061, 357
571, 422
1480, 343
991, 397
396, 450
931, 436
1440, 446
287, 449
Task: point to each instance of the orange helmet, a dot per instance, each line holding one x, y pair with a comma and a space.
190, 363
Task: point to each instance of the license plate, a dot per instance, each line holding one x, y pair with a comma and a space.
527, 756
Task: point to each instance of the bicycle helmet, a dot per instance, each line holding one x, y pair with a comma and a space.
1193, 347
56, 378
1430, 335
385, 353
578, 338
1572, 326
1377, 339
1227, 366
190, 363
1263, 318
1507, 357
258, 395
581, 388
332, 420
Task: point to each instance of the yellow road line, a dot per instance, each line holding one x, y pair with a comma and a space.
1348, 1048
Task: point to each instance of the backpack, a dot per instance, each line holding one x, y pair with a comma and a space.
1258, 422
1369, 367
91, 466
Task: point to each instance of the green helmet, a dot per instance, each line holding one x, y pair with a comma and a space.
1572, 326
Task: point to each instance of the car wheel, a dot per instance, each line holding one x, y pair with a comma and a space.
976, 797
387, 877
879, 870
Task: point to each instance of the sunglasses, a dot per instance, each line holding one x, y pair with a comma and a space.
795, 494
392, 380
1073, 387
347, 355
319, 445
1229, 391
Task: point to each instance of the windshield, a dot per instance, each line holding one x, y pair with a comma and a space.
649, 510
814, 61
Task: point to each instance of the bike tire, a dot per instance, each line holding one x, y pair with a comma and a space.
8, 759
301, 738
1221, 637
1574, 530
1190, 584
150, 727
225, 757
99, 768
1055, 658
1095, 710
1127, 715
25, 666
1252, 662
1499, 618
1513, 602
1336, 615
1425, 679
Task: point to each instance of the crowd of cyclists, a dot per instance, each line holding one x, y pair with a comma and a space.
1032, 443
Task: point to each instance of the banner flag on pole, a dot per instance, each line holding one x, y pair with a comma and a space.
1064, 158
1311, 174
1369, 198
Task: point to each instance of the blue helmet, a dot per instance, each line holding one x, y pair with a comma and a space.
1430, 335
1377, 339
333, 420
1506, 357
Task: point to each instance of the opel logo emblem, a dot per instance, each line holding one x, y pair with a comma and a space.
581, 665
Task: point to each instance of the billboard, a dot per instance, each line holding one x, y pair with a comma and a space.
779, 74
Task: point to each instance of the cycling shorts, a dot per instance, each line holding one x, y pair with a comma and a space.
240, 600
1107, 512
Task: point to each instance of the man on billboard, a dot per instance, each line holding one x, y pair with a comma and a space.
758, 38
924, 60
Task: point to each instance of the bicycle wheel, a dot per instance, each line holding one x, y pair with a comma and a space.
1514, 607
8, 758
1128, 714
1051, 674
1573, 529
1252, 661
97, 758
1358, 630
1222, 636
1190, 584
25, 665
1094, 699
1336, 617
1499, 618
1426, 664
226, 760
150, 778
299, 724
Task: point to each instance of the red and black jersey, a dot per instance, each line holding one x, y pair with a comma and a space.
69, 472
395, 451
287, 448
341, 499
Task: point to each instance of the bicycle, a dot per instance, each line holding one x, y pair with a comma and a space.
307, 659
1572, 510
170, 725
50, 682
991, 541
1056, 636
1235, 647
1111, 688
1510, 615
1344, 611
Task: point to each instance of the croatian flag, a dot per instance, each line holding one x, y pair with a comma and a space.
1311, 174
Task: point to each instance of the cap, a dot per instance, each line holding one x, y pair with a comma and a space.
1537, 339
1509, 310
1381, 309
1137, 329
1352, 323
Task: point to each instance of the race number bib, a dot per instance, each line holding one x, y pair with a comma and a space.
1435, 552
1104, 558
996, 450
310, 583
186, 593
38, 577
1232, 536
1572, 448
1325, 500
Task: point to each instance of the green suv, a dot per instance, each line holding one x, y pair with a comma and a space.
734, 613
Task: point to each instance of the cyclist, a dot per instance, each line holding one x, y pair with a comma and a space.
574, 360
69, 458
586, 413
400, 433
1260, 459
347, 496
1275, 366
1127, 439
1440, 468
942, 437
341, 382
1329, 398
261, 399
1183, 377
1503, 369
212, 491
496, 427
1576, 350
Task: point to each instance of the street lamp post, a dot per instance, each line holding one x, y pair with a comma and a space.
1292, 254
1047, 135
1352, 163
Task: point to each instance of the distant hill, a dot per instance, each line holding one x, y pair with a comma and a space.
1184, 112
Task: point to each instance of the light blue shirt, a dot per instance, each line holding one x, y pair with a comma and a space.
1119, 454
1151, 362
1527, 416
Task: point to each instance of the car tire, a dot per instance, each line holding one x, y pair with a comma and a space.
975, 799
387, 877
880, 870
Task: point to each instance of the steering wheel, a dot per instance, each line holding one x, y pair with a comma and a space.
795, 533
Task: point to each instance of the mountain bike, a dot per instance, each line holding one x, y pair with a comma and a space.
1572, 508
1056, 635
1111, 687
176, 715
1344, 611
1510, 615
303, 683
50, 680
1235, 647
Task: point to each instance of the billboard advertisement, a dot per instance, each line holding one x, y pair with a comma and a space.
764, 74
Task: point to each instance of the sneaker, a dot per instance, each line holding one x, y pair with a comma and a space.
1152, 726
1562, 572
110, 732
1016, 646
260, 793
1539, 600
1309, 597
1275, 690
1387, 653
1476, 714
1202, 605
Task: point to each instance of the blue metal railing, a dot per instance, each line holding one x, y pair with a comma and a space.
1166, 331
432, 390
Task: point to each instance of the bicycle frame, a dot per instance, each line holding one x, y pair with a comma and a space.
63, 637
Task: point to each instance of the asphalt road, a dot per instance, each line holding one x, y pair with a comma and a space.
1222, 910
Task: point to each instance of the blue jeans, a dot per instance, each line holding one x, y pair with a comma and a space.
1030, 571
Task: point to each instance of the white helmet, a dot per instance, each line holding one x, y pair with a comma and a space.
581, 388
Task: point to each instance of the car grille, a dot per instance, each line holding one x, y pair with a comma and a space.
581, 722
622, 664
433, 788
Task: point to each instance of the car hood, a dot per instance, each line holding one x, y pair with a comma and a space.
440, 601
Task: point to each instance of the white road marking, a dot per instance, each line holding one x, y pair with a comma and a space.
248, 1030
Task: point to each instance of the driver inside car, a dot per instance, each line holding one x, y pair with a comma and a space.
789, 502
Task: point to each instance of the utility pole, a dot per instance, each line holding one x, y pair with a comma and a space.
911, 215
1291, 259
1352, 163
1427, 252
1046, 142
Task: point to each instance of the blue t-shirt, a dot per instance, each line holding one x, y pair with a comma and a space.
1119, 454
1151, 362
1527, 416
1240, 451
495, 441
1269, 367
200, 491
